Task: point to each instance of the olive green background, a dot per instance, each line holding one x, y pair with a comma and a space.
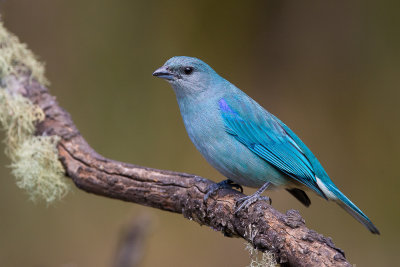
329, 69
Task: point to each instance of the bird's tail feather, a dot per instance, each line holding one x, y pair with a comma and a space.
353, 210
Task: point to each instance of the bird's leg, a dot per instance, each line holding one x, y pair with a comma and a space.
226, 184
248, 200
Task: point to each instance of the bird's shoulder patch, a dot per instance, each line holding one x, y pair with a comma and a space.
261, 133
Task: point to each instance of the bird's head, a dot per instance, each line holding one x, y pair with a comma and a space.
187, 75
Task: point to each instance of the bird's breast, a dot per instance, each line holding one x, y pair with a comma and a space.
207, 131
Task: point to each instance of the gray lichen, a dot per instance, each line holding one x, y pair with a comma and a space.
34, 159
13, 53
260, 259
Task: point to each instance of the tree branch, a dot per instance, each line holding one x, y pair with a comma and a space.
264, 227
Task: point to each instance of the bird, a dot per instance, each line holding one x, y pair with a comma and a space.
243, 141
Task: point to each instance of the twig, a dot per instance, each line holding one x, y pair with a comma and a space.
131, 245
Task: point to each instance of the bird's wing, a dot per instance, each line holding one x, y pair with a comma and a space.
264, 135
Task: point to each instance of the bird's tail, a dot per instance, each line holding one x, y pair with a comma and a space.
353, 210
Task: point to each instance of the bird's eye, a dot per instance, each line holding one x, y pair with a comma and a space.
188, 70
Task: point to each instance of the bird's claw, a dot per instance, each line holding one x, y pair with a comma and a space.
248, 200
226, 184
235, 186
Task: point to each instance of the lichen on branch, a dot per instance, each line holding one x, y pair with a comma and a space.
14, 54
34, 159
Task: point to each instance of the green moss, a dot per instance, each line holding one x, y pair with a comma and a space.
259, 259
34, 159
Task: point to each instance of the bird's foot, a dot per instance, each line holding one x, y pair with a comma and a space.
226, 184
246, 201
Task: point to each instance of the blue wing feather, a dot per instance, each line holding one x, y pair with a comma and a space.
264, 135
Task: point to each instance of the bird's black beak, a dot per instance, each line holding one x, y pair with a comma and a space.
164, 73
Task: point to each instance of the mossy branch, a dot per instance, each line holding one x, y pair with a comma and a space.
44, 144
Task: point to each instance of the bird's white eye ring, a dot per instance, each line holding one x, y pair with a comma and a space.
188, 70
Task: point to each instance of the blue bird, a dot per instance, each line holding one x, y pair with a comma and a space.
244, 142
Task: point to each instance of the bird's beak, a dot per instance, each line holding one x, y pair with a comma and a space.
164, 73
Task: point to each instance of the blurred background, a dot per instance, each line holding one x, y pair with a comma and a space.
328, 69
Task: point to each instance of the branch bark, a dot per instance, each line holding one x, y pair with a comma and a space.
264, 227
